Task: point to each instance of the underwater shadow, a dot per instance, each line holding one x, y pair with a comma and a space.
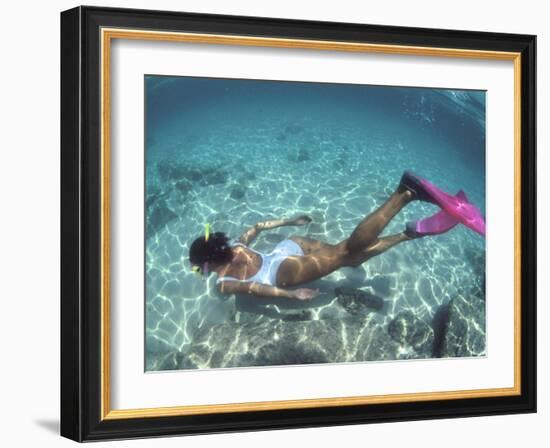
287, 309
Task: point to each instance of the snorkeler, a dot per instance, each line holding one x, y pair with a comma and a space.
298, 260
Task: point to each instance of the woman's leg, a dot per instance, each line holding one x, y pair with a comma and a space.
380, 246
309, 245
367, 232
297, 270
359, 247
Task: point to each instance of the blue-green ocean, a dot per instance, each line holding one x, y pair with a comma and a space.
234, 152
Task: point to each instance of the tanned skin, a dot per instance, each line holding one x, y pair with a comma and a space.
319, 259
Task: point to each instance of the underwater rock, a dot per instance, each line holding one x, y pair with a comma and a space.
170, 171
164, 169
381, 284
356, 301
183, 186
439, 325
214, 177
158, 215
290, 350
476, 258
375, 345
303, 155
165, 361
258, 314
276, 342
192, 174
407, 329
153, 190
153, 197
237, 192
464, 331
298, 316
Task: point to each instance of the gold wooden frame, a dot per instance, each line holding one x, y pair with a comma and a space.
107, 35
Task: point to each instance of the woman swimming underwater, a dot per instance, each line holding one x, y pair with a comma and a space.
298, 260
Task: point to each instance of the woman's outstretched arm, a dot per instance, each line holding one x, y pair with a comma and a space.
259, 289
250, 235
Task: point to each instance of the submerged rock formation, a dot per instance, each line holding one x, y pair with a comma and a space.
296, 337
464, 332
158, 214
356, 301
412, 332
275, 342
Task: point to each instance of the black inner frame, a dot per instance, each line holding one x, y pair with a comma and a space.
80, 224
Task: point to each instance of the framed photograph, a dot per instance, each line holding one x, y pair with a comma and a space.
274, 223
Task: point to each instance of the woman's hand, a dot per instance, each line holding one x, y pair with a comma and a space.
305, 293
302, 220
261, 290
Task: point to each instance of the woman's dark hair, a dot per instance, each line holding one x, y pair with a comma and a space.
215, 250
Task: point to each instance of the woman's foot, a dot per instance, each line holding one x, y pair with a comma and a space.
454, 209
412, 183
437, 224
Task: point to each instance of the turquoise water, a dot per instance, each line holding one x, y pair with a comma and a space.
235, 152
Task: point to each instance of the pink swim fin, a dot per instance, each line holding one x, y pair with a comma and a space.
456, 207
439, 223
